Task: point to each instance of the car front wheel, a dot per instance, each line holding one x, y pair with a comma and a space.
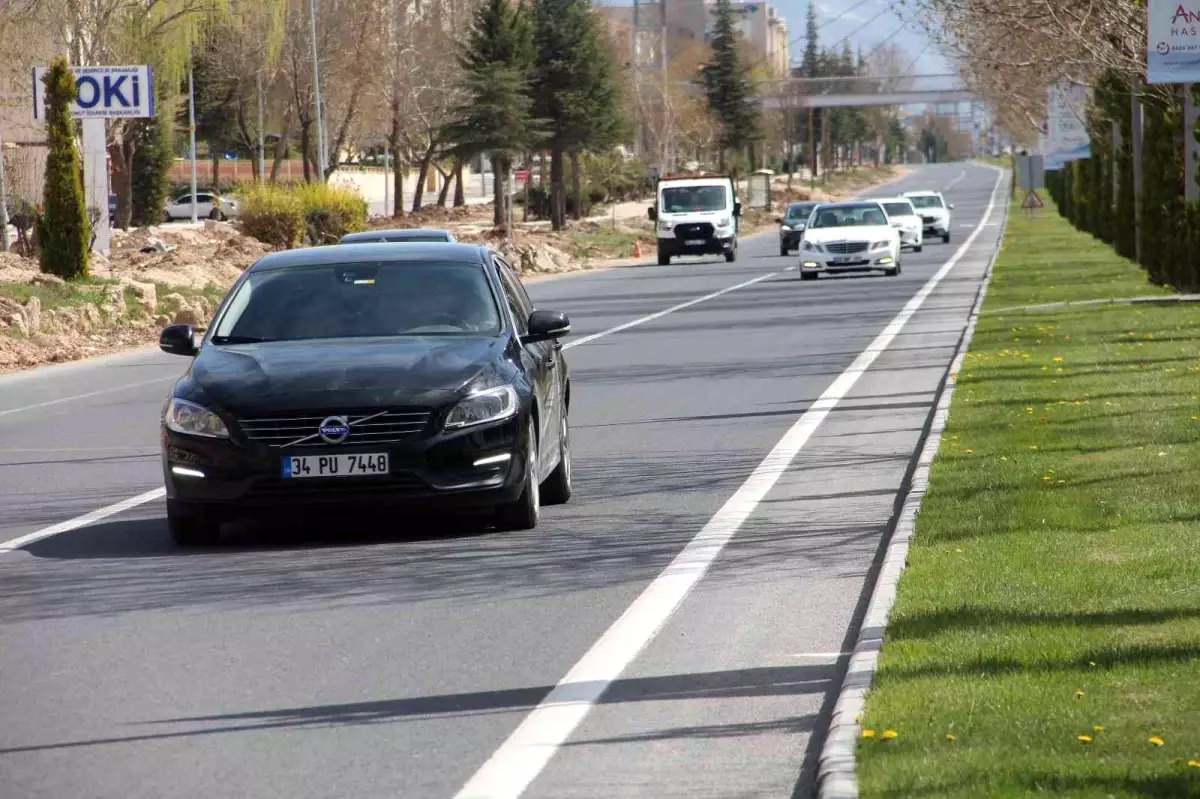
556, 489
523, 513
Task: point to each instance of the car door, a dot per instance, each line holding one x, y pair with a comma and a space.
542, 361
204, 205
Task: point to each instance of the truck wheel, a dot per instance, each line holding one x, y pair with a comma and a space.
731, 256
663, 259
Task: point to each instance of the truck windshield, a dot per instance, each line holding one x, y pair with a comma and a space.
681, 199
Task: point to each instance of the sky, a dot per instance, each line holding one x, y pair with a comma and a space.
841, 18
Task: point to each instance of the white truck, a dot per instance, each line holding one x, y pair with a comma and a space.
696, 215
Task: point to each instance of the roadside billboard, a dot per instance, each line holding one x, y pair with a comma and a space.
1066, 135
103, 92
1172, 41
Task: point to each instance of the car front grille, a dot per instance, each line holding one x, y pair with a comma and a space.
929, 220
846, 247
694, 230
378, 427
315, 490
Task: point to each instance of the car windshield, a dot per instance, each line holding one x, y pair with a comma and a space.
926, 201
898, 209
849, 216
681, 199
360, 300
802, 211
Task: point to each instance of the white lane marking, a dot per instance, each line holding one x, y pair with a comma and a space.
519, 760
96, 393
954, 182
644, 319
81, 521
140, 499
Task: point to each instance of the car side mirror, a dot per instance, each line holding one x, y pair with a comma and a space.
737, 209
951, 206
178, 340
547, 326
652, 213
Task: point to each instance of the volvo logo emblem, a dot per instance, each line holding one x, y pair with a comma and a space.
334, 429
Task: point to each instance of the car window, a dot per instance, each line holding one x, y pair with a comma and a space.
800, 211
898, 209
514, 294
360, 300
680, 199
927, 201
203, 198
849, 216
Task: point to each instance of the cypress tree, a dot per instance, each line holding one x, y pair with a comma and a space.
63, 233
731, 97
151, 170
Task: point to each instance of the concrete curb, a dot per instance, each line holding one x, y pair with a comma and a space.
836, 769
1168, 299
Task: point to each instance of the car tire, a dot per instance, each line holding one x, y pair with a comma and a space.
167, 218
783, 250
808, 275
556, 489
731, 256
895, 270
663, 259
216, 216
193, 527
918, 248
523, 513
946, 239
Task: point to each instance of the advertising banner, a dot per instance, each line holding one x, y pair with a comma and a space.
1066, 135
103, 92
1172, 41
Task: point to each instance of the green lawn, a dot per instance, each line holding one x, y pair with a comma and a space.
1053, 585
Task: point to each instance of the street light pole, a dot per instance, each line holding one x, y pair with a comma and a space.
322, 156
192, 127
262, 149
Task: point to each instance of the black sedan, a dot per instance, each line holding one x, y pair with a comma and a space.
409, 375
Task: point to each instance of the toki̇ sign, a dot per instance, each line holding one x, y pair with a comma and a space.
103, 92
1172, 41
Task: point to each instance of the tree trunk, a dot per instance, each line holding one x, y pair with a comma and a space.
577, 186
305, 127
498, 217
120, 155
528, 180
542, 169
281, 147
558, 194
422, 176
460, 190
721, 160
444, 194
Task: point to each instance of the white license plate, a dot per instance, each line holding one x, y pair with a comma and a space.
694, 242
842, 259
345, 465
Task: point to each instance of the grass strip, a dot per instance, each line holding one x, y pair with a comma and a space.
1045, 639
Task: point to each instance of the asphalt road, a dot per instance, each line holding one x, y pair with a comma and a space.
368, 657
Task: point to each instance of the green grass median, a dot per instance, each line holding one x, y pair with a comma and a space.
1046, 634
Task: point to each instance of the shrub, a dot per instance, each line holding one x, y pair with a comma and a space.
62, 227
151, 165
596, 194
273, 214
330, 212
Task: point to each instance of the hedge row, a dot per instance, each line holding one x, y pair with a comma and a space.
1167, 226
307, 213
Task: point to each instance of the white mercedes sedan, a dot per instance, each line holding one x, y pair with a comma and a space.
849, 237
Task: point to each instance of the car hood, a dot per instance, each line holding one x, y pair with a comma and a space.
939, 212
824, 235
906, 221
337, 373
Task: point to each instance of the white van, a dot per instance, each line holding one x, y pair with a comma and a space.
696, 216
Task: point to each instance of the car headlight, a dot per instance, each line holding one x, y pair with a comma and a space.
726, 222
489, 405
811, 246
785, 228
664, 225
193, 420
881, 245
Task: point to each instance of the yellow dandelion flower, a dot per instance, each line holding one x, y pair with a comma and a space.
1193, 764
951, 737
1087, 739
1079, 694
1097, 728
1057, 359
1092, 663
889, 734
970, 450
868, 733
1155, 739
958, 549
1033, 446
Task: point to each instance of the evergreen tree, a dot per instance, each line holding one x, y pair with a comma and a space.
809, 124
496, 117
63, 232
731, 96
151, 167
574, 87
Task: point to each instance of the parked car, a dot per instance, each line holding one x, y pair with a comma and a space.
208, 206
405, 376
397, 235
792, 224
904, 218
849, 237
934, 211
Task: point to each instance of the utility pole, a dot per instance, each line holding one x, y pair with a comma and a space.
3, 202
192, 126
666, 136
262, 148
322, 155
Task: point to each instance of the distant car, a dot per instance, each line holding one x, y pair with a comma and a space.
934, 211
208, 206
791, 225
397, 235
402, 376
904, 218
849, 237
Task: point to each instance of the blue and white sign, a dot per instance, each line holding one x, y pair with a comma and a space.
1066, 135
1172, 41
103, 92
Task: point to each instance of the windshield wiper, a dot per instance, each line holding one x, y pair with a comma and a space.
239, 340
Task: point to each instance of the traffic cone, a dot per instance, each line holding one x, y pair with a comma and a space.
637, 248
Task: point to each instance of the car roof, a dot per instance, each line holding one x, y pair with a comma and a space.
374, 235
923, 193
795, 203
414, 251
849, 204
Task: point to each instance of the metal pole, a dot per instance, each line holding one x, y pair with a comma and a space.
387, 158
812, 150
1191, 189
192, 130
1116, 161
262, 148
666, 134
1136, 144
3, 202
322, 155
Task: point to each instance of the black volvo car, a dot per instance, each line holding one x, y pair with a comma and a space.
415, 375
